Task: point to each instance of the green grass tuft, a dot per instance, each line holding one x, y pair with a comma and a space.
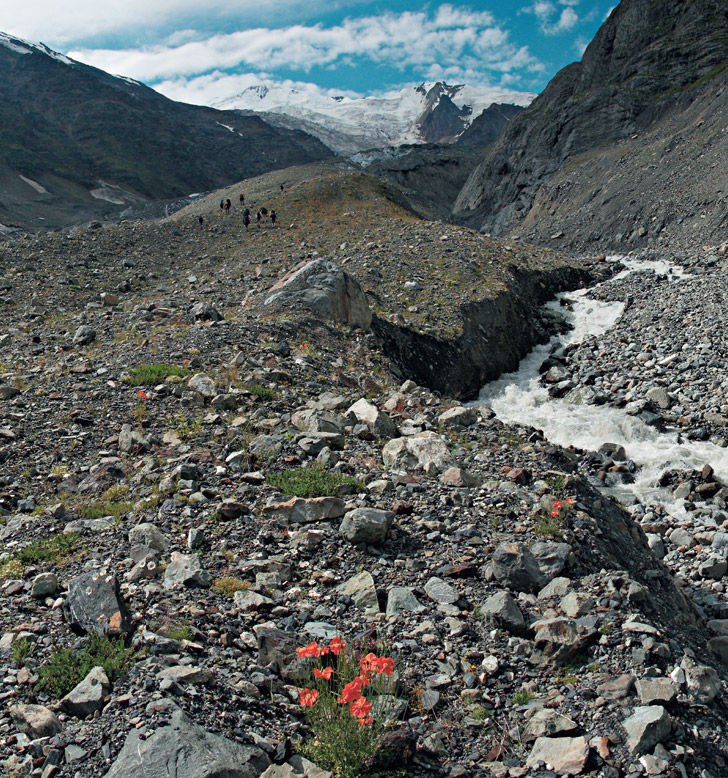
311, 482
146, 375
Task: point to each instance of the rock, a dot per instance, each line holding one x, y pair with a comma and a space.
501, 610
659, 396
362, 590
547, 722
251, 601
185, 570
94, 604
315, 420
277, 648
616, 688
702, 681
514, 566
551, 557
35, 720
366, 525
441, 592
131, 440
187, 674
427, 451
44, 585
149, 535
651, 690
324, 288
576, 604
205, 312
560, 638
203, 385
183, 749
459, 417
456, 476
89, 695
377, 422
646, 727
299, 510
566, 755
401, 599
83, 335
556, 588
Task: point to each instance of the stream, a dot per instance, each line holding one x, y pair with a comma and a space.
520, 398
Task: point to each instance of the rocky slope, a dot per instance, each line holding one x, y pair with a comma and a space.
622, 148
536, 628
77, 143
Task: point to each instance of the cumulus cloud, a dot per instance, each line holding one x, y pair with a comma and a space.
553, 20
450, 37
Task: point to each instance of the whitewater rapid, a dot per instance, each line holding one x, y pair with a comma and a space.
520, 398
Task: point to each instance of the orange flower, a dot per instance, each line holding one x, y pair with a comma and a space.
558, 504
554, 513
323, 650
337, 645
364, 679
367, 720
143, 394
310, 650
326, 673
351, 692
368, 662
360, 708
385, 665
308, 697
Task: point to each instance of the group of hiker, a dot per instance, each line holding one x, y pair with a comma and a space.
260, 216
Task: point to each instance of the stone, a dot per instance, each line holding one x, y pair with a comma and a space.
651, 690
277, 648
681, 537
203, 384
556, 588
426, 451
546, 722
401, 599
187, 674
89, 695
44, 585
441, 592
501, 610
324, 288
456, 476
377, 422
315, 420
659, 396
300, 510
560, 638
94, 604
248, 600
459, 417
84, 335
185, 570
576, 604
183, 749
366, 525
203, 311
149, 535
616, 688
514, 566
35, 720
362, 590
551, 557
646, 727
565, 755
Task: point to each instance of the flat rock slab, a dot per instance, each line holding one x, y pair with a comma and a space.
564, 754
300, 510
35, 720
88, 696
94, 604
646, 727
366, 525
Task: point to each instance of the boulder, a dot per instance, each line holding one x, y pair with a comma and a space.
377, 422
35, 720
514, 566
366, 525
566, 755
94, 604
185, 570
646, 727
426, 451
501, 610
301, 510
88, 696
362, 590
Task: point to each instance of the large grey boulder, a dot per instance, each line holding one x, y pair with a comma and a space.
88, 696
324, 288
514, 566
362, 590
378, 423
35, 720
426, 451
183, 749
185, 570
566, 755
646, 727
366, 525
501, 610
94, 604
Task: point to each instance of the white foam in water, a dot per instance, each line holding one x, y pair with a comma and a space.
519, 398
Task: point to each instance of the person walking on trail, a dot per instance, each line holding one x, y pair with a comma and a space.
242, 199
258, 218
227, 205
246, 219
201, 220
272, 216
222, 205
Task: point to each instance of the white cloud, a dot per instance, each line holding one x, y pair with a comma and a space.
451, 37
550, 19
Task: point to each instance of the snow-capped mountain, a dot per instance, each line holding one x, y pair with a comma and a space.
430, 112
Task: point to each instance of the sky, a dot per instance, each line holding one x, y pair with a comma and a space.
203, 52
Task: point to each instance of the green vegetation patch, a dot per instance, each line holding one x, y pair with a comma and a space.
66, 668
227, 586
261, 392
56, 549
146, 375
311, 482
111, 503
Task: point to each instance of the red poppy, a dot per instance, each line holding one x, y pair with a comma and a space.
558, 504
326, 673
360, 708
142, 394
368, 662
554, 513
337, 645
385, 665
311, 650
367, 720
323, 650
308, 697
351, 692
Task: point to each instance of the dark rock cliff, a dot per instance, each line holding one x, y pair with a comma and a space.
651, 62
497, 334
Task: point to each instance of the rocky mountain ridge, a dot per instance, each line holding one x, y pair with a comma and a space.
618, 143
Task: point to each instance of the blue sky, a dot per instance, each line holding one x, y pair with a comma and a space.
204, 51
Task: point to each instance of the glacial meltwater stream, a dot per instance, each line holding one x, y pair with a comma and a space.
520, 398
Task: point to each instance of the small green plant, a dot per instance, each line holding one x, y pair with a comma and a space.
552, 521
522, 698
148, 374
349, 701
56, 549
227, 586
260, 391
11, 569
180, 632
311, 482
111, 503
20, 651
184, 428
480, 713
66, 668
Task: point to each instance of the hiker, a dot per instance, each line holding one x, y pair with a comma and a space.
222, 205
272, 216
242, 199
258, 218
246, 219
227, 205
201, 220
